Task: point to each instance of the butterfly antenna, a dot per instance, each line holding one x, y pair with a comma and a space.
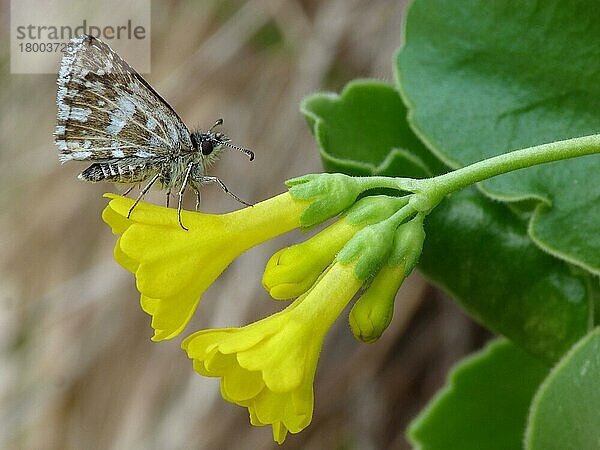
217, 123
245, 151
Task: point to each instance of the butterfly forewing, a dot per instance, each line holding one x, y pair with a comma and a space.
108, 113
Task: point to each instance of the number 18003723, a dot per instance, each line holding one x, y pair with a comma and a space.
43, 47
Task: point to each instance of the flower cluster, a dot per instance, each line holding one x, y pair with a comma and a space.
269, 366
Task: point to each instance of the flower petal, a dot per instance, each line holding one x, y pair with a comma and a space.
279, 432
293, 270
373, 311
170, 315
270, 406
123, 259
147, 213
201, 343
117, 222
239, 384
281, 358
179, 261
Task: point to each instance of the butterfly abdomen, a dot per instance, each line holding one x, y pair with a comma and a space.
116, 173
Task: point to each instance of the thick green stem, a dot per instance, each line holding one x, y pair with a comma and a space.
430, 191
507, 162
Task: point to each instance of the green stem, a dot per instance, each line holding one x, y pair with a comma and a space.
430, 191
508, 162
402, 184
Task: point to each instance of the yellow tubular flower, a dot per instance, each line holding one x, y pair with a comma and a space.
173, 267
269, 366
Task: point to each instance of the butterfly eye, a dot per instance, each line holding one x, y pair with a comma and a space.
207, 147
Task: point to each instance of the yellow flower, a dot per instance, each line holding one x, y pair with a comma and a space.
269, 366
173, 267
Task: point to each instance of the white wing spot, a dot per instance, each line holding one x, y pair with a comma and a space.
60, 130
143, 154
120, 116
173, 134
151, 123
81, 155
80, 114
62, 145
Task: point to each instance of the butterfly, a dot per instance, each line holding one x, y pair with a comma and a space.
109, 115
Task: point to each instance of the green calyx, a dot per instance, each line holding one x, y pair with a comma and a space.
408, 244
329, 194
369, 248
373, 209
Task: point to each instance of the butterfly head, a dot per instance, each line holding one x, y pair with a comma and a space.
212, 143
209, 142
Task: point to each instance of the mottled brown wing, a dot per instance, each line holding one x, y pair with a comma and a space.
107, 111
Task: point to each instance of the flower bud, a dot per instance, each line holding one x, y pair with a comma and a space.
373, 311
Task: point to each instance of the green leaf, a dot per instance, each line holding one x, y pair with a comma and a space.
484, 405
483, 78
365, 132
479, 252
565, 414
476, 249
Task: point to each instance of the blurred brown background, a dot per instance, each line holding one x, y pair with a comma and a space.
77, 367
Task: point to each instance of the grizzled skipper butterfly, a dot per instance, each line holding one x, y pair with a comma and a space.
109, 115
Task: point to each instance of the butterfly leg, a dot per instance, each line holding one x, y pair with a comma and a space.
206, 179
128, 191
186, 178
146, 189
168, 198
198, 198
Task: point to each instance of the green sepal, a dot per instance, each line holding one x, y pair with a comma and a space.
373, 209
329, 193
408, 244
368, 249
